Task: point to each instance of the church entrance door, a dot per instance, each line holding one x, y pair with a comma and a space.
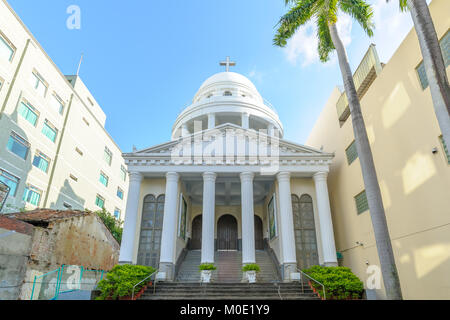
259, 241
227, 233
196, 240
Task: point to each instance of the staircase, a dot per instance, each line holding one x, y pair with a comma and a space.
229, 291
229, 264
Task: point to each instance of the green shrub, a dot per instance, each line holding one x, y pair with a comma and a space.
251, 267
113, 225
206, 266
119, 282
339, 282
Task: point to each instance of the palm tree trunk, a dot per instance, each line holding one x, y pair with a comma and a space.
373, 193
433, 62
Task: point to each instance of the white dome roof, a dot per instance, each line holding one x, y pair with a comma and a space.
231, 79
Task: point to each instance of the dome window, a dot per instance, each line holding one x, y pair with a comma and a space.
227, 94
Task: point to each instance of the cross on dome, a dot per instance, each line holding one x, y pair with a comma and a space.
228, 63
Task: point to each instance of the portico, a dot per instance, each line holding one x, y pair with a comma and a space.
228, 187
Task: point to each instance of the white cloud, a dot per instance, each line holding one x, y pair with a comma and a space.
302, 47
256, 75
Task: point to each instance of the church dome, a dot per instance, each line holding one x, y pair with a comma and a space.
227, 97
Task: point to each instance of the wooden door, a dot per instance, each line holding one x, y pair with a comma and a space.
196, 235
227, 233
259, 238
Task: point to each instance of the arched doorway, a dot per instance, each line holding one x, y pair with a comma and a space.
305, 231
259, 238
196, 239
227, 233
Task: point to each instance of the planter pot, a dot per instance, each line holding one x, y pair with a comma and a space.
251, 276
206, 276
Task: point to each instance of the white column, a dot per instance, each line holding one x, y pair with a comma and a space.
245, 120
270, 130
287, 225
129, 228
208, 217
166, 262
325, 221
211, 120
184, 130
248, 219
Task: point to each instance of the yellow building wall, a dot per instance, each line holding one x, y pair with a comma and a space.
415, 183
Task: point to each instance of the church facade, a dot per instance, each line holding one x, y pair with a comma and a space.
228, 181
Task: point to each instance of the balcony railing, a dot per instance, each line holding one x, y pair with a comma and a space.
367, 71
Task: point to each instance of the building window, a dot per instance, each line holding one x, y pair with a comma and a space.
38, 83
117, 213
57, 103
41, 161
445, 147
73, 178
27, 111
90, 101
85, 121
361, 202
108, 156
49, 130
103, 179
32, 195
151, 230
445, 48
11, 181
79, 151
123, 173
100, 202
227, 94
18, 145
7, 50
272, 218
120, 193
351, 153
2, 81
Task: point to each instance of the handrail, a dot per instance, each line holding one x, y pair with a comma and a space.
323, 287
132, 295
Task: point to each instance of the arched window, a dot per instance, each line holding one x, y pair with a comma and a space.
151, 229
227, 94
305, 231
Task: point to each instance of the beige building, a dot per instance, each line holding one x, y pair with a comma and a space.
412, 164
54, 149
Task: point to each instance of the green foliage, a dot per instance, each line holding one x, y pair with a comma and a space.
324, 14
339, 282
206, 266
113, 225
251, 267
119, 282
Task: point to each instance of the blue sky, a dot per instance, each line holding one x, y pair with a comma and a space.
145, 60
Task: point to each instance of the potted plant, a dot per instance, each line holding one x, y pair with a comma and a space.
206, 271
250, 271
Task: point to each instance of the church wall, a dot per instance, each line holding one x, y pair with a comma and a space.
415, 183
275, 243
180, 242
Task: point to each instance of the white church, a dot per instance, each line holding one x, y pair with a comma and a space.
228, 189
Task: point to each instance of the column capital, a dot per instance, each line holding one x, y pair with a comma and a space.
209, 176
247, 176
135, 176
172, 176
320, 176
284, 176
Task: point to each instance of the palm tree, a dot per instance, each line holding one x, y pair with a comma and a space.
325, 14
433, 62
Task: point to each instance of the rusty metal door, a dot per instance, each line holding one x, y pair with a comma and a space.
259, 241
196, 240
227, 233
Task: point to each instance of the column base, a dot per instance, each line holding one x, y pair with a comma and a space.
287, 269
330, 264
168, 270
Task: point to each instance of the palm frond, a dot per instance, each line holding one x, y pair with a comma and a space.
289, 23
326, 45
361, 11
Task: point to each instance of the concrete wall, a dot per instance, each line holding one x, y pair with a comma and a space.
415, 183
14, 251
